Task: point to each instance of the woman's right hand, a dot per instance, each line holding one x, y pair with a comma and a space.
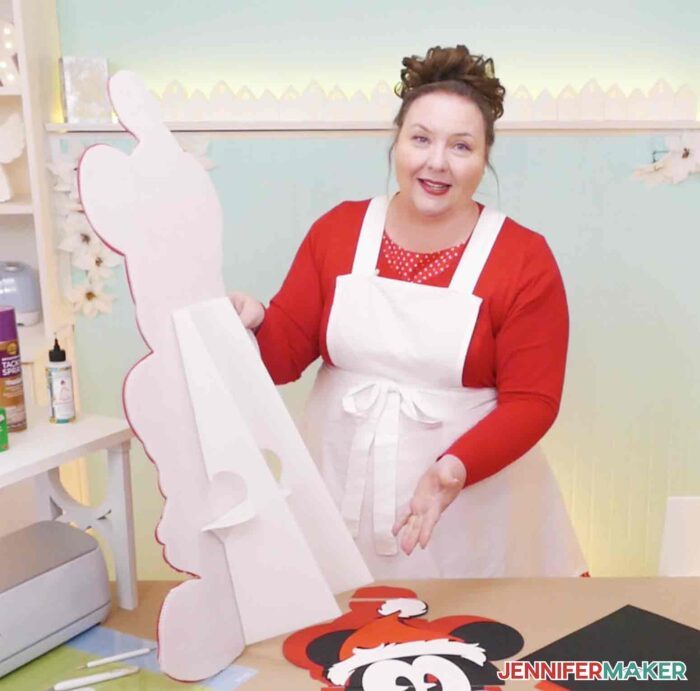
250, 311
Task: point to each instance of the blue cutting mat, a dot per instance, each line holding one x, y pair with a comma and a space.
103, 642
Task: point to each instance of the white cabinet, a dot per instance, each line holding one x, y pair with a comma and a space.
26, 220
26, 223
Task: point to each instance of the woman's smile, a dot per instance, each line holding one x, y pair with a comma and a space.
433, 187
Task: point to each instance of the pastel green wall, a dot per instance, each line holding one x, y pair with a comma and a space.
355, 44
627, 435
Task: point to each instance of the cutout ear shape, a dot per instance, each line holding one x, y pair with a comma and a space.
498, 640
325, 650
136, 107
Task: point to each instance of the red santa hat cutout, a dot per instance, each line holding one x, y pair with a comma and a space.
385, 639
368, 645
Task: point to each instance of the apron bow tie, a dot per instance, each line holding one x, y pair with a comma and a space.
378, 405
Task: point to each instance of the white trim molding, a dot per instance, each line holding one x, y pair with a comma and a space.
591, 108
591, 103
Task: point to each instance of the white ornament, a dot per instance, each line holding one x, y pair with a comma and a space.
592, 102
383, 103
11, 147
661, 101
197, 107
518, 107
335, 107
681, 160
267, 107
173, 102
291, 109
358, 107
615, 104
545, 107
311, 101
222, 102
683, 156
638, 106
568, 105
685, 104
653, 174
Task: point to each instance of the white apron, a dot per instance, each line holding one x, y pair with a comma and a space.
394, 402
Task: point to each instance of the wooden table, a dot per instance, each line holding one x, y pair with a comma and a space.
543, 610
42, 448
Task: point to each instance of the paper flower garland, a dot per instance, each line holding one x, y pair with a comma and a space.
76, 237
681, 159
88, 253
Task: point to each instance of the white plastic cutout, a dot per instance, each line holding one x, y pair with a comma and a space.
203, 406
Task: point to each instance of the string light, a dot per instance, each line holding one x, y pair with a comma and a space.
8, 49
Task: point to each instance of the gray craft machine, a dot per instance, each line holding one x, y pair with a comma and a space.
53, 586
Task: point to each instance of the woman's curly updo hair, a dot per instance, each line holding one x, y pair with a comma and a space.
455, 71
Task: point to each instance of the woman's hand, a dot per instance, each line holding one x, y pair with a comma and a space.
250, 311
435, 491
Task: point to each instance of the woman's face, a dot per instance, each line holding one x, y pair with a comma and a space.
440, 153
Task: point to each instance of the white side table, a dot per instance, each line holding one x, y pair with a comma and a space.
43, 447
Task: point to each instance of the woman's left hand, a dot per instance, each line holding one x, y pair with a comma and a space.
435, 491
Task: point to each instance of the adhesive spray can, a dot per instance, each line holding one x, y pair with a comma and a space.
59, 376
11, 388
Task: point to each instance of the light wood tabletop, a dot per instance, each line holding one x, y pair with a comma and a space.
543, 610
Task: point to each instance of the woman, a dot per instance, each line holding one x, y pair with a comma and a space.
443, 328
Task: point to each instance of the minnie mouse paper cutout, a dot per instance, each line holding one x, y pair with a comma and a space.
384, 643
204, 407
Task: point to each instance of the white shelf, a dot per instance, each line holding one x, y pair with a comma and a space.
10, 91
43, 445
374, 126
17, 206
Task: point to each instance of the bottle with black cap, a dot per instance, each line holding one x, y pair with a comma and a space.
59, 375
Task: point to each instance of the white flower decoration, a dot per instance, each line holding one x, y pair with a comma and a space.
66, 204
97, 260
79, 235
683, 156
681, 160
653, 174
63, 170
91, 299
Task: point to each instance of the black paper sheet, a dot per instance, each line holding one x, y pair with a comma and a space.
628, 634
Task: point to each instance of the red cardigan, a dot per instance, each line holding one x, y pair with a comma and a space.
519, 343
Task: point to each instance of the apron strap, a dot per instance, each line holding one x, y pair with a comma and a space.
370, 240
477, 251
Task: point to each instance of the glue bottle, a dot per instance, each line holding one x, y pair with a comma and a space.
59, 376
